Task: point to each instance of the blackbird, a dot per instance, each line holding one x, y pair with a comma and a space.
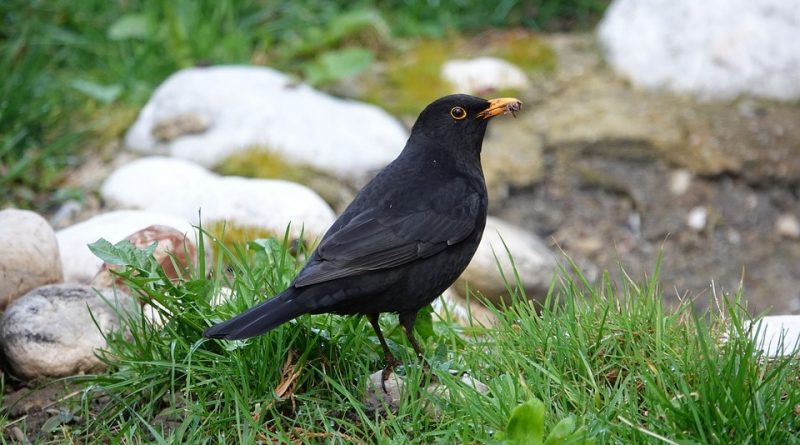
407, 235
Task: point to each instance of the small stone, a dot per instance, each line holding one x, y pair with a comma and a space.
483, 74
384, 395
52, 331
696, 219
733, 236
29, 254
378, 399
787, 226
679, 182
587, 245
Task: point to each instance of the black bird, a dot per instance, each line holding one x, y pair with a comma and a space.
407, 235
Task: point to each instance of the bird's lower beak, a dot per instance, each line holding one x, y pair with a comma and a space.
501, 105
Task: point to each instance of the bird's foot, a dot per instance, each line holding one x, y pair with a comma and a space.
388, 370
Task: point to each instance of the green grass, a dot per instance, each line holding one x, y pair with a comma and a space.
75, 73
630, 370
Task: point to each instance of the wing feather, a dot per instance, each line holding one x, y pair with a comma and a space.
375, 240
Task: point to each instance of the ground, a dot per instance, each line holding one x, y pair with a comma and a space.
608, 193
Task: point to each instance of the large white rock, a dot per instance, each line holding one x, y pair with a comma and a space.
28, 254
216, 111
482, 74
80, 265
716, 48
534, 263
181, 188
51, 331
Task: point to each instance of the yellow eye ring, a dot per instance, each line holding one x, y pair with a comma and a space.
458, 113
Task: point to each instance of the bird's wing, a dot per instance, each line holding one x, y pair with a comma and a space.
374, 239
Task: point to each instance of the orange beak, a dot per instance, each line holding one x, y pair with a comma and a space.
501, 105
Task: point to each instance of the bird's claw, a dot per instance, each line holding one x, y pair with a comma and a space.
388, 370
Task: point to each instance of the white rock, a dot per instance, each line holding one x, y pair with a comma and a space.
534, 262
243, 107
476, 76
787, 226
696, 219
29, 255
51, 331
80, 265
716, 48
777, 335
182, 188
679, 181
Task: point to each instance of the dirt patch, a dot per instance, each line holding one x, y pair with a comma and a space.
40, 413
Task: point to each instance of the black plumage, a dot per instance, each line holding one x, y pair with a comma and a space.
407, 235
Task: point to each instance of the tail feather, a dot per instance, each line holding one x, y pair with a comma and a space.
256, 320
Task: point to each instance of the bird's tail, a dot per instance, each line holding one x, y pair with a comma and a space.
257, 320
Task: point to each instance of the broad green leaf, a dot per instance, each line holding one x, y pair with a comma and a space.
129, 26
108, 252
353, 22
561, 432
124, 253
526, 425
332, 66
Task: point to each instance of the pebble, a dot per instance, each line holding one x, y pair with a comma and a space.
788, 226
697, 218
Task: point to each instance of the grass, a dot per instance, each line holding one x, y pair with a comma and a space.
75, 73
630, 370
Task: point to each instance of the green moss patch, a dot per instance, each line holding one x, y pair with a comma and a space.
262, 162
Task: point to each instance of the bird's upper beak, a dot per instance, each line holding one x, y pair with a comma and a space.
501, 105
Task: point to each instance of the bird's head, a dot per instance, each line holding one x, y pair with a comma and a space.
460, 120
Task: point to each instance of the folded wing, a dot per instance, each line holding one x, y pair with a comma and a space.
383, 239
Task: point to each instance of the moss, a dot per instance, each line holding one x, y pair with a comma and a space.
524, 49
411, 77
109, 123
231, 234
261, 162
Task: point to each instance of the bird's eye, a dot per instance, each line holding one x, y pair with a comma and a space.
458, 113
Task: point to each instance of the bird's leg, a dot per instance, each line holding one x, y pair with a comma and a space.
407, 320
391, 362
